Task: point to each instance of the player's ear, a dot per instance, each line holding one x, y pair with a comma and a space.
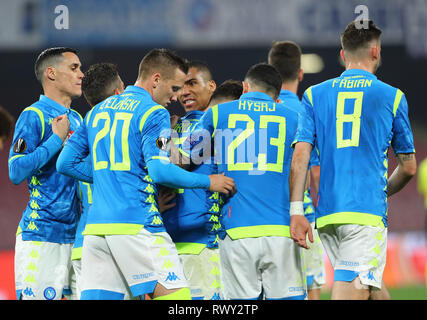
212, 86
155, 79
50, 73
245, 87
375, 52
342, 55
301, 75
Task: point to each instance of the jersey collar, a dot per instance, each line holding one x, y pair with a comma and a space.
256, 96
137, 90
357, 72
192, 113
54, 105
286, 94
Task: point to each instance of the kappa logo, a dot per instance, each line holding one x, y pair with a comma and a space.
29, 292
172, 277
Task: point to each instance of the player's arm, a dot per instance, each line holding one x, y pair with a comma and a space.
406, 169
27, 155
198, 146
74, 160
303, 145
161, 170
403, 146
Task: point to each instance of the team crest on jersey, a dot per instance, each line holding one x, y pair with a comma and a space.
162, 143
20, 146
49, 293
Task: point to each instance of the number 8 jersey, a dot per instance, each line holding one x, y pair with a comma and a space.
354, 119
252, 139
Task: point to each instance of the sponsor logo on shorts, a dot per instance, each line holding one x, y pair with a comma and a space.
143, 276
348, 263
49, 293
296, 289
172, 277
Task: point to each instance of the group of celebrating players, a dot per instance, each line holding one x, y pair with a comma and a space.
133, 203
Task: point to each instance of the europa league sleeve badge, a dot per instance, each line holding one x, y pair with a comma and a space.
20, 146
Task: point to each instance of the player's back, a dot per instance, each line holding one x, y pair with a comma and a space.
353, 119
252, 145
119, 135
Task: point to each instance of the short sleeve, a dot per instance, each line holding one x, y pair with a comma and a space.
403, 140
306, 125
155, 132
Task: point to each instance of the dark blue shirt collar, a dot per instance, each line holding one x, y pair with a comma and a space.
357, 72
256, 96
53, 104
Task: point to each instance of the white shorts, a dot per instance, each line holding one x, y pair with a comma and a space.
272, 266
356, 251
314, 264
203, 274
42, 269
114, 266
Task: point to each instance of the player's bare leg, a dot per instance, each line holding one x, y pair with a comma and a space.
354, 290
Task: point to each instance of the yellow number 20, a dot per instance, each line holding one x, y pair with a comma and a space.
120, 116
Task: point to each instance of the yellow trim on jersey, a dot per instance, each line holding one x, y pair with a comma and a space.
214, 118
161, 158
189, 247
41, 116
88, 116
397, 99
365, 219
259, 231
18, 231
181, 294
309, 95
81, 118
112, 228
16, 156
147, 114
76, 253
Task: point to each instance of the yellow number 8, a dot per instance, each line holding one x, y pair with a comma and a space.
354, 118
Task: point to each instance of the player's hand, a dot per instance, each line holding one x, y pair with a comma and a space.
61, 126
165, 197
223, 184
299, 229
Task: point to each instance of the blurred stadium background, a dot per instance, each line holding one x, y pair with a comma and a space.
230, 35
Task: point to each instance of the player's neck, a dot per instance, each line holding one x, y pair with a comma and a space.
290, 86
59, 97
144, 85
362, 65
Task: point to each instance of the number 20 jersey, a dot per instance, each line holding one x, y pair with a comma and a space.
354, 119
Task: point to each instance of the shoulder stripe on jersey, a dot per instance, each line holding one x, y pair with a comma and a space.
80, 116
310, 95
88, 116
147, 114
16, 156
214, 118
161, 158
397, 99
41, 116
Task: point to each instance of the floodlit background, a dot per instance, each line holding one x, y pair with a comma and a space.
230, 35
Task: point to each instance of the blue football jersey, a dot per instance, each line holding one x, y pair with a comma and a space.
353, 119
85, 196
291, 100
52, 211
194, 221
121, 134
252, 139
